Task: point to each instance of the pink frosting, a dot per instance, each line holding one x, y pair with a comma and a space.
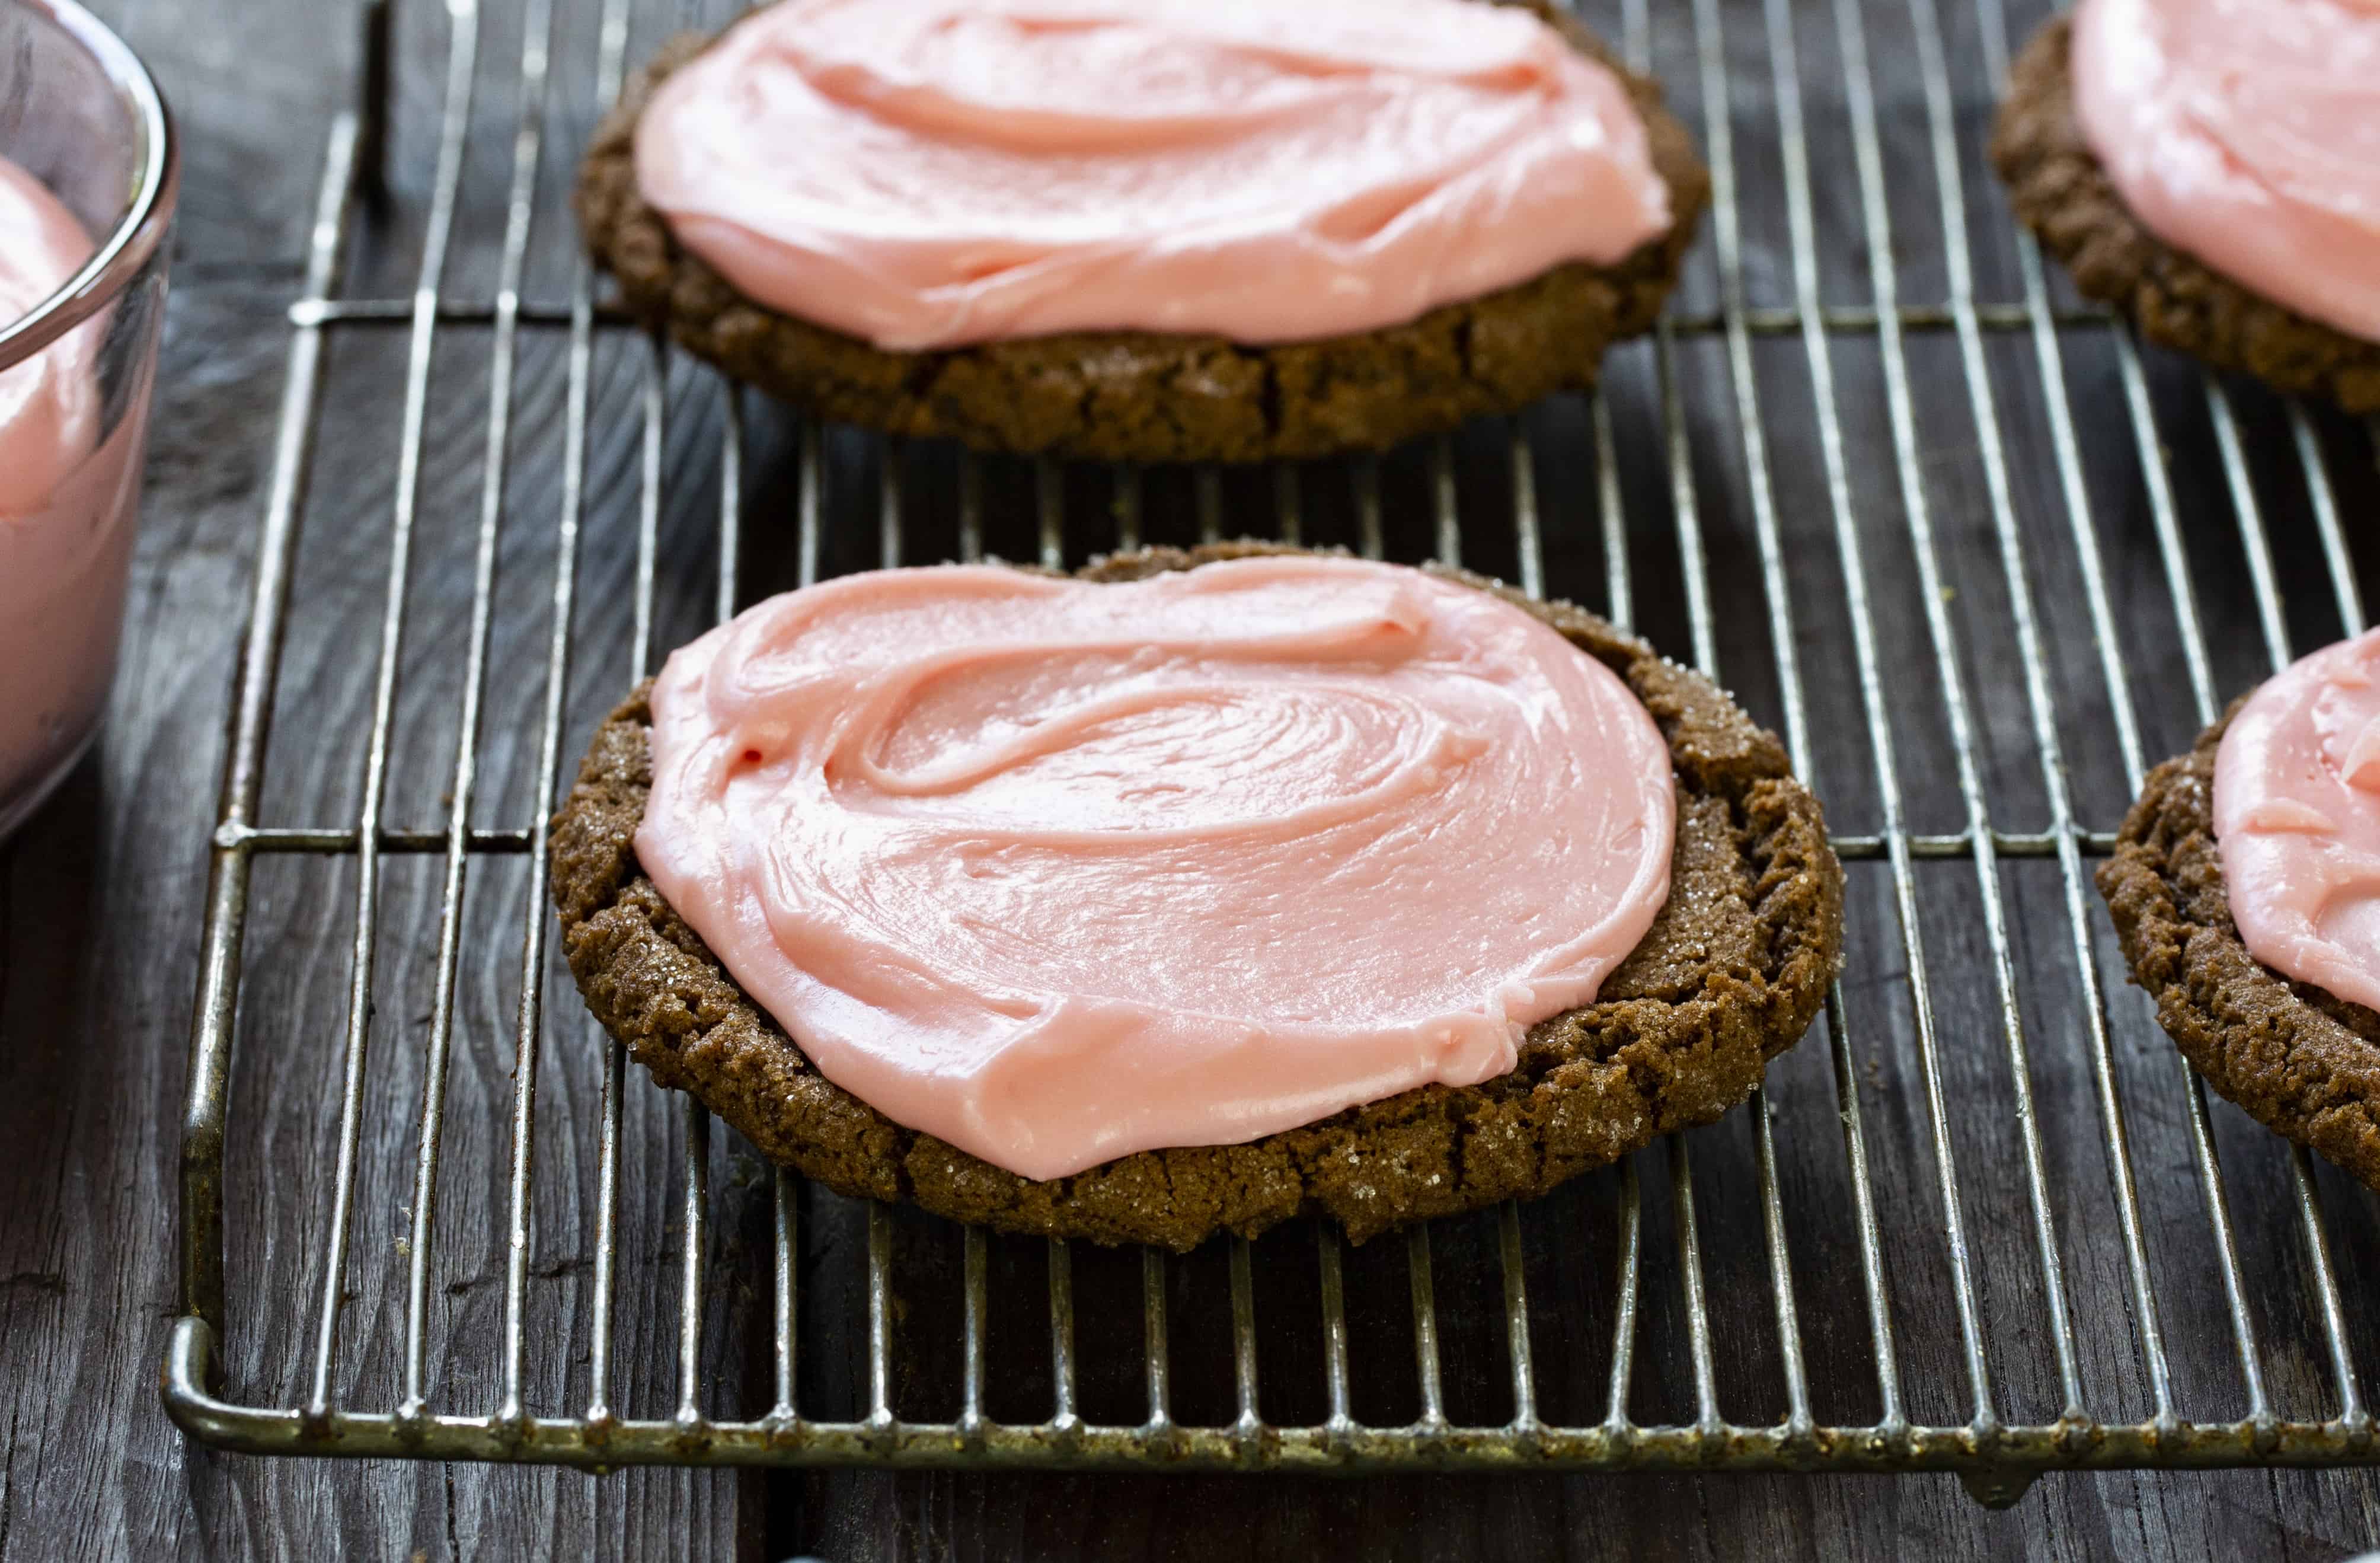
49, 404
67, 500
2246, 132
2297, 815
930, 173
1060, 872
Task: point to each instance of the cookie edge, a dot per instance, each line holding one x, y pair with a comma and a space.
2280, 1050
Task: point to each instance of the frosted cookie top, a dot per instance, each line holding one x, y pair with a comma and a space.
2297, 817
2246, 133
927, 173
1058, 871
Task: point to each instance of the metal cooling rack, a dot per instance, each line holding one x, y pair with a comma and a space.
2096, 1331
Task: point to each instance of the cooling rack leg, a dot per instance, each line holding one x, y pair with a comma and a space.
1998, 1486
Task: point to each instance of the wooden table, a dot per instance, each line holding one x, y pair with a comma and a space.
99, 907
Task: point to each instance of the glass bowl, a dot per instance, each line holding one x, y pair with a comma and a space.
87, 157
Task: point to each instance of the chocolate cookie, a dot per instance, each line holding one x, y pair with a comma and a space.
2301, 1062
2061, 191
1730, 975
1144, 395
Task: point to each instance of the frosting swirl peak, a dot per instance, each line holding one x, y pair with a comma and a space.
2297, 818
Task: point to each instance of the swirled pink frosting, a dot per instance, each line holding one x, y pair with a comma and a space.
2297, 817
2246, 132
932, 173
1059, 871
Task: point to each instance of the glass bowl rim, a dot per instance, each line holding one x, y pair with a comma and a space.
138, 234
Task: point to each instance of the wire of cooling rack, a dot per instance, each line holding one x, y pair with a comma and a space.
1996, 1455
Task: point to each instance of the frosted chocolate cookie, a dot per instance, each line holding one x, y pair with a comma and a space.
2213, 172
1144, 229
2245, 886
1192, 894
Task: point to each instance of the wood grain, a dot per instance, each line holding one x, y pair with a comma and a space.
99, 904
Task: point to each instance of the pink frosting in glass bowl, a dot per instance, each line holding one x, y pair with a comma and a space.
67, 499
2247, 133
1058, 871
930, 173
2297, 817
